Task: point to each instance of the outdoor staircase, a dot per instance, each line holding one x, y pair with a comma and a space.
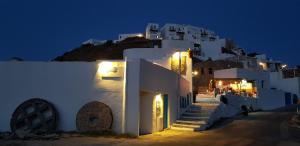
196, 117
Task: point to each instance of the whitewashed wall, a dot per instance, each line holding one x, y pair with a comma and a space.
161, 56
271, 99
67, 85
144, 76
289, 84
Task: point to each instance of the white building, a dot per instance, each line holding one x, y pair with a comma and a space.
206, 44
271, 89
142, 92
152, 31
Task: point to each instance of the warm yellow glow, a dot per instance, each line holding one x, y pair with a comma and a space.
283, 66
262, 64
179, 62
243, 82
139, 35
244, 85
220, 83
159, 106
106, 67
110, 70
176, 55
195, 73
158, 98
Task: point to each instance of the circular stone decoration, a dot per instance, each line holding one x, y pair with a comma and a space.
94, 117
34, 117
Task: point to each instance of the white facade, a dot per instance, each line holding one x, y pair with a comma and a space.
205, 43
142, 86
70, 85
67, 85
291, 85
163, 56
152, 31
187, 32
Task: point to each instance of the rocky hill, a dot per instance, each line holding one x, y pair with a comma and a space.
108, 50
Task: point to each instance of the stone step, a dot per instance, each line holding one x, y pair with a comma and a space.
192, 122
195, 118
207, 98
186, 125
182, 128
205, 110
197, 114
204, 104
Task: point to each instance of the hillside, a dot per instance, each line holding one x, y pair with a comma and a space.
108, 51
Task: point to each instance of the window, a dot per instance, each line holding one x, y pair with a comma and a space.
262, 83
210, 71
202, 71
172, 28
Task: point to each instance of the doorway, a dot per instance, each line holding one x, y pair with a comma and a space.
166, 111
158, 113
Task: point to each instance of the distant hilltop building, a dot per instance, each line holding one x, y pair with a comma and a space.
205, 43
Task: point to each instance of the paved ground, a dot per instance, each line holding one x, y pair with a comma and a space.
258, 129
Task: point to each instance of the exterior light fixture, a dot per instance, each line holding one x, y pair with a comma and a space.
176, 55
283, 66
195, 73
159, 105
244, 83
220, 83
139, 35
106, 67
260, 63
158, 98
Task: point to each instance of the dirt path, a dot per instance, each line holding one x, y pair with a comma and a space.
258, 129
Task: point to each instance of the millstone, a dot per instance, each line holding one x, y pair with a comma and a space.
34, 117
94, 117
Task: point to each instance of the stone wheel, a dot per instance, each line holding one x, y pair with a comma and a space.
94, 117
34, 117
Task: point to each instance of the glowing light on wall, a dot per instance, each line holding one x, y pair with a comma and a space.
159, 105
220, 83
243, 83
106, 67
195, 73
139, 35
179, 62
110, 69
176, 55
262, 64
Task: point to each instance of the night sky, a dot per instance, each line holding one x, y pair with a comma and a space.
44, 29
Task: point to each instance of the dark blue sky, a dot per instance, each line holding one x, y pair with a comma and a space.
41, 30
